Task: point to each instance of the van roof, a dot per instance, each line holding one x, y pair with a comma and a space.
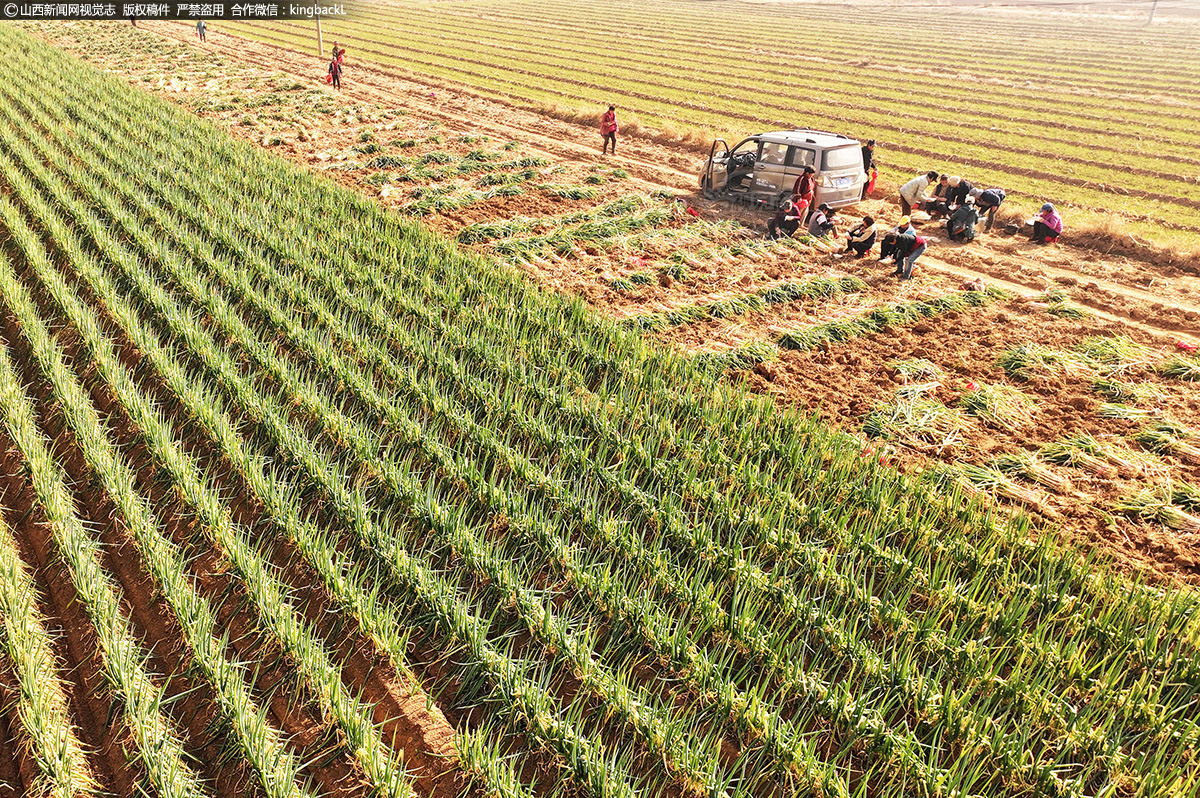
820, 138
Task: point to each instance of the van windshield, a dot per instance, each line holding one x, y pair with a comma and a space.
842, 158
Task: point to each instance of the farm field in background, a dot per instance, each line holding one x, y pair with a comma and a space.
1051, 119
486, 539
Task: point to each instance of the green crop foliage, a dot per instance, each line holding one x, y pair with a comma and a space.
637, 578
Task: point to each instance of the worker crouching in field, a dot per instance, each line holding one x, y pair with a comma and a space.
961, 225
822, 224
987, 203
860, 239
1047, 225
938, 203
608, 129
786, 221
905, 249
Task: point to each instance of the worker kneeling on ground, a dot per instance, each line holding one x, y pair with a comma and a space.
786, 221
961, 225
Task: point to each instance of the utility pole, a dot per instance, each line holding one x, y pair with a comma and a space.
321, 41
1153, 8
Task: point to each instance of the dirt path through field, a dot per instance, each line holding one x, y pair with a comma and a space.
1144, 294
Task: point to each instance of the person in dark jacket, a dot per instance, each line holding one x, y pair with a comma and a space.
960, 189
987, 203
906, 249
938, 203
961, 225
903, 227
868, 156
860, 239
335, 73
786, 221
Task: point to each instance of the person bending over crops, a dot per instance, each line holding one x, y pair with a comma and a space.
335, 73
608, 129
960, 189
803, 188
912, 193
938, 203
903, 227
906, 249
860, 239
987, 203
822, 224
786, 221
1047, 225
961, 225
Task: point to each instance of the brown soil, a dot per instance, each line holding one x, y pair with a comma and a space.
843, 383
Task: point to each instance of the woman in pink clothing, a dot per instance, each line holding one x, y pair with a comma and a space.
608, 128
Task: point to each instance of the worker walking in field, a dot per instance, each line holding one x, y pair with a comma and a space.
988, 202
912, 193
906, 249
202, 31
803, 188
961, 225
608, 129
1047, 225
335, 73
786, 221
860, 239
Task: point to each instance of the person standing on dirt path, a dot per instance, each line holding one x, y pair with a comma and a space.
868, 156
335, 74
609, 128
913, 192
860, 239
786, 221
804, 187
987, 203
906, 248
202, 30
1047, 225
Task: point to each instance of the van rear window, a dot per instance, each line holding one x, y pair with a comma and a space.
843, 157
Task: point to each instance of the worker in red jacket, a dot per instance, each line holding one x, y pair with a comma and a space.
608, 129
803, 188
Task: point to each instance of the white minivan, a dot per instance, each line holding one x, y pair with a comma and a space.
763, 168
